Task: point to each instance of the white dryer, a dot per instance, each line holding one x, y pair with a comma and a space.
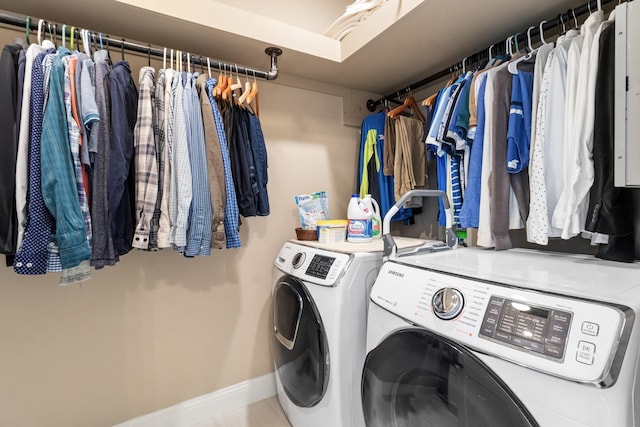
320, 298
475, 338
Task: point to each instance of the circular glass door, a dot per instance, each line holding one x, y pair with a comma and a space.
301, 351
417, 378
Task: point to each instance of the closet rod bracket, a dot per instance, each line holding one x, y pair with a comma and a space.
273, 52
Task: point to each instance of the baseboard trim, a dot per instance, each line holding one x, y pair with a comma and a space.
212, 405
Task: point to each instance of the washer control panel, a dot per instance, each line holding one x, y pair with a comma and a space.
312, 264
563, 336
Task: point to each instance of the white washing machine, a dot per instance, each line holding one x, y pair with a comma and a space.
320, 298
475, 338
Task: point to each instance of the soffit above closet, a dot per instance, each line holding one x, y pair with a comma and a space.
402, 42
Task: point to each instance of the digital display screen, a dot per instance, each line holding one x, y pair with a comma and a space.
320, 266
539, 330
523, 321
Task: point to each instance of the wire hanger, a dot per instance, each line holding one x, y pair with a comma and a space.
529, 38
40, 24
27, 29
575, 19
542, 32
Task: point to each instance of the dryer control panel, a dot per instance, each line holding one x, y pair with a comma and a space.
563, 336
312, 264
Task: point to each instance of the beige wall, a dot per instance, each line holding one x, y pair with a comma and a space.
157, 329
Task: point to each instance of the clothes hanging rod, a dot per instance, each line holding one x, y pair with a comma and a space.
566, 18
196, 60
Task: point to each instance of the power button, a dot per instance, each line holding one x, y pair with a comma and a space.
590, 328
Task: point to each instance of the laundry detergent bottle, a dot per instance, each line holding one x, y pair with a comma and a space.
359, 226
376, 220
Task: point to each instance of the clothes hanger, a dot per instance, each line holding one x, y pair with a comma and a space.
122, 49
40, 24
409, 102
72, 38
230, 86
149, 55
27, 29
188, 63
209, 66
542, 32
575, 19
254, 90
238, 84
253, 96
222, 81
201, 65
247, 89
64, 35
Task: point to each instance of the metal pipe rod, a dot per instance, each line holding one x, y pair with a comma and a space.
273, 52
566, 17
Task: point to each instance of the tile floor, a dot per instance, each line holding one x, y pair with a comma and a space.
264, 413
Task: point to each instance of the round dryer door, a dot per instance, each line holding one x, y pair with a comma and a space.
417, 378
301, 350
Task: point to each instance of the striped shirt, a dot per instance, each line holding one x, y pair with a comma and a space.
159, 140
164, 226
181, 190
199, 233
145, 158
231, 211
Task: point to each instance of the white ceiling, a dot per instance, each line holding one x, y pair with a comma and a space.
431, 37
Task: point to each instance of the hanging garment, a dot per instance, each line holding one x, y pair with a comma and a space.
8, 148
611, 209
124, 106
215, 166
519, 130
159, 147
22, 157
75, 140
164, 224
32, 255
199, 232
259, 152
59, 183
146, 165
181, 185
410, 164
470, 210
566, 214
103, 249
506, 213
231, 214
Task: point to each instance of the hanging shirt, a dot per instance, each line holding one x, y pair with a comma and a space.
75, 140
519, 130
146, 165
159, 146
103, 250
124, 106
231, 214
470, 210
32, 256
199, 232
8, 148
570, 213
542, 54
22, 158
181, 185
215, 166
166, 219
259, 151
58, 180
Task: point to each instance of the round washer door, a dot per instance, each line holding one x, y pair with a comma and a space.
417, 378
301, 350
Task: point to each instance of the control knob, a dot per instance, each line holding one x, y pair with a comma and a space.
447, 303
298, 259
